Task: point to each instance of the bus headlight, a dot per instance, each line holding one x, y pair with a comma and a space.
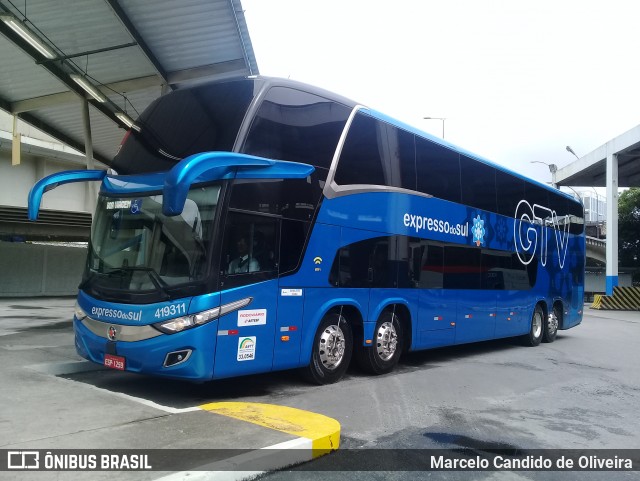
178, 324
78, 312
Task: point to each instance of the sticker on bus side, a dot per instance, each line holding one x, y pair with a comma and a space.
291, 292
253, 317
247, 348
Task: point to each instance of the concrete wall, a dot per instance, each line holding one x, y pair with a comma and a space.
596, 282
17, 180
40, 270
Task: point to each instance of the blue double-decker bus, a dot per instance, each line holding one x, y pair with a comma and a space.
258, 224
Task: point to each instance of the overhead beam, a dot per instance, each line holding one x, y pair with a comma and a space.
89, 52
61, 136
621, 144
230, 67
44, 101
133, 31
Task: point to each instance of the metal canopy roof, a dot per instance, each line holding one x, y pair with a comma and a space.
590, 169
131, 51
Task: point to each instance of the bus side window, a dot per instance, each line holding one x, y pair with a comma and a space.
438, 170
361, 159
296, 126
478, 182
249, 249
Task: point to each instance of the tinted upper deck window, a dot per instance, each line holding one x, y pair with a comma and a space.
361, 160
438, 170
478, 182
510, 191
185, 122
296, 126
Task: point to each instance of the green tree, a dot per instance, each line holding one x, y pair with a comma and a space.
629, 228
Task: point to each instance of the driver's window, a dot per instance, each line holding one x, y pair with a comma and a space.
250, 248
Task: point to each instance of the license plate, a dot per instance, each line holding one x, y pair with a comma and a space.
114, 362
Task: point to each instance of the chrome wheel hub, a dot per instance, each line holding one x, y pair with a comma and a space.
552, 323
537, 325
387, 341
331, 347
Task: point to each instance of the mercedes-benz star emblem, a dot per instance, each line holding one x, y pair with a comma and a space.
111, 333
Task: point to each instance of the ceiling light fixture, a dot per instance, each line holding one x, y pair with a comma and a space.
27, 35
88, 87
126, 120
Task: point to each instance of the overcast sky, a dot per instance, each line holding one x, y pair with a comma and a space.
517, 81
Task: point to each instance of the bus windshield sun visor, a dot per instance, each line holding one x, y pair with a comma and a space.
54, 180
210, 166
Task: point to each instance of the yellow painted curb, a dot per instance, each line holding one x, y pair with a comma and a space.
323, 431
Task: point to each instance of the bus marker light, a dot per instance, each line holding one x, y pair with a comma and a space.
508, 318
368, 341
437, 318
493, 314
467, 316
453, 324
230, 332
284, 338
511, 313
288, 328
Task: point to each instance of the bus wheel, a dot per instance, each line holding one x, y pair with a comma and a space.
551, 326
331, 351
534, 336
385, 353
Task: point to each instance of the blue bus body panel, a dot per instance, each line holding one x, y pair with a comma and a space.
475, 316
246, 337
436, 318
288, 329
460, 316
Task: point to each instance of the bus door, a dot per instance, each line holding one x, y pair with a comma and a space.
476, 316
248, 277
514, 301
468, 271
511, 319
288, 335
436, 306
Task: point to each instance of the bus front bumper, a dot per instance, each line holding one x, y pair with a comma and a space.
185, 355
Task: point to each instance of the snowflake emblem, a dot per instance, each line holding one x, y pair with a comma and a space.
478, 231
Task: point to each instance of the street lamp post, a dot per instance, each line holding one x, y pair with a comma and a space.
442, 119
570, 150
553, 168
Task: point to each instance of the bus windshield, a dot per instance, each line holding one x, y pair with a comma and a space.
134, 247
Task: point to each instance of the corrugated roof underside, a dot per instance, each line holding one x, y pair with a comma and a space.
191, 40
206, 28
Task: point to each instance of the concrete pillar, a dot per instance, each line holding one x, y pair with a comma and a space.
90, 189
612, 222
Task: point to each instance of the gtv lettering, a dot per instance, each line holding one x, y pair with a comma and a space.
419, 222
527, 238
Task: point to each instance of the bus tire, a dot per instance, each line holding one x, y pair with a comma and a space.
387, 347
552, 323
331, 350
534, 337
